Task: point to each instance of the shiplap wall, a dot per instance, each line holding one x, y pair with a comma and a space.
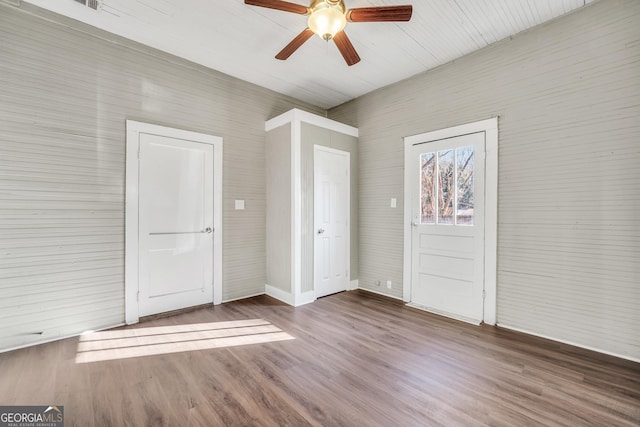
278, 214
66, 90
568, 97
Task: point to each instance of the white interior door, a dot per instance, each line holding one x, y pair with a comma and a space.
331, 220
447, 239
175, 224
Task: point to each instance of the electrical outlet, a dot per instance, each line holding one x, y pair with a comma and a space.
388, 284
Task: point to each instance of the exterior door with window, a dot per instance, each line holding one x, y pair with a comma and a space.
447, 237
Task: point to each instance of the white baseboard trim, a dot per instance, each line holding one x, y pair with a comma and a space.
279, 294
244, 297
353, 285
379, 293
586, 347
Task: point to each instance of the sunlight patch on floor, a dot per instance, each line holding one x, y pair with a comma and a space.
138, 342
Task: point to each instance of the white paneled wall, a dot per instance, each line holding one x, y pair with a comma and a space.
241, 40
278, 214
65, 92
567, 95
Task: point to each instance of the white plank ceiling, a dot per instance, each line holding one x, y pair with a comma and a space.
241, 40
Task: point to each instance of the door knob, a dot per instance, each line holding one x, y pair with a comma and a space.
208, 230
321, 230
414, 224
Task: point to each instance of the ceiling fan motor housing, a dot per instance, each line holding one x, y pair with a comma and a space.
339, 4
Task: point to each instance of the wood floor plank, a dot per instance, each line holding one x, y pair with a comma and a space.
36, 381
353, 359
73, 386
10, 362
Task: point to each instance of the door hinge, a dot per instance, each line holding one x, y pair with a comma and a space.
138, 153
484, 294
484, 155
138, 296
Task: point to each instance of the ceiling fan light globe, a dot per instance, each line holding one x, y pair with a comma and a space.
327, 21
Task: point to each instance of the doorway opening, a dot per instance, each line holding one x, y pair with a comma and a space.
331, 213
173, 241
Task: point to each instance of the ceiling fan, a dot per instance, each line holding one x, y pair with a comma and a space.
327, 18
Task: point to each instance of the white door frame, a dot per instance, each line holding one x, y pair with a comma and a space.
134, 129
346, 154
490, 128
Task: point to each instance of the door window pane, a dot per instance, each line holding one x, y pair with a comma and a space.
427, 188
464, 169
446, 186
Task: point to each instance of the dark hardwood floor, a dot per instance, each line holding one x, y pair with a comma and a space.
350, 359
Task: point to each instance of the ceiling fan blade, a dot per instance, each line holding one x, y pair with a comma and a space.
279, 5
380, 14
346, 48
294, 44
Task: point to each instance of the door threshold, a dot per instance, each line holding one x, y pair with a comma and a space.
444, 313
328, 295
174, 312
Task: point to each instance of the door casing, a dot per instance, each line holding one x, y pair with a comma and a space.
490, 128
134, 130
